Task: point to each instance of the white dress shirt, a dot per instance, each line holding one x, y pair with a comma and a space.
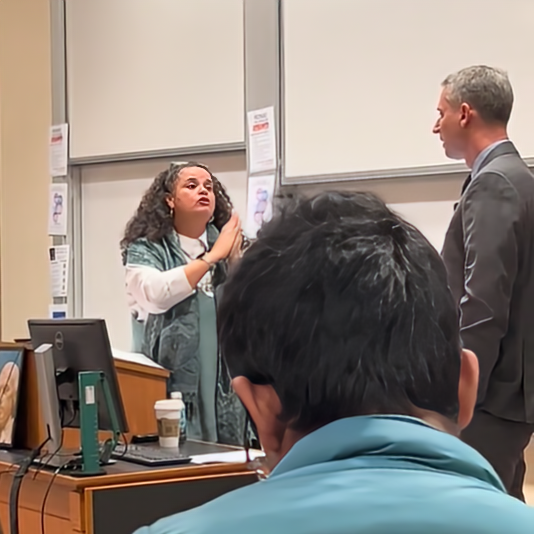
151, 291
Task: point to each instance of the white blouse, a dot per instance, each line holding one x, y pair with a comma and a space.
151, 291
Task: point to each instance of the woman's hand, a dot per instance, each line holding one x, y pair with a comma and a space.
228, 239
229, 236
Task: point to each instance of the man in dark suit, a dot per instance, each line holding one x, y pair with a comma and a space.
489, 254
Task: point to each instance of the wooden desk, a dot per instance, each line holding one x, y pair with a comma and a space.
126, 498
133, 378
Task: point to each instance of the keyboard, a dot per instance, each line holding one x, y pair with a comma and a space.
149, 455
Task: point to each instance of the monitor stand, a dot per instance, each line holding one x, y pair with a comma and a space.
57, 459
67, 460
93, 456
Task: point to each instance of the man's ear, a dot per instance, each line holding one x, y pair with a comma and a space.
467, 387
466, 114
264, 407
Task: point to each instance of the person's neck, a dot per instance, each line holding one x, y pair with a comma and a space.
437, 421
483, 140
290, 437
275, 451
190, 227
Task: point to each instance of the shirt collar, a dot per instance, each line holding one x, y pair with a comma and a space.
482, 156
387, 438
193, 246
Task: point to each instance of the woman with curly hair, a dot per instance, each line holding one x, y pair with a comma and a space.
175, 250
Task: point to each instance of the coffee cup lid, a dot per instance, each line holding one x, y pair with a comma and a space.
168, 404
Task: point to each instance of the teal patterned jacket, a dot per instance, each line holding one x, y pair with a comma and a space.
172, 338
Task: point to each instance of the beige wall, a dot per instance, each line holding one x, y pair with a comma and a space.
25, 115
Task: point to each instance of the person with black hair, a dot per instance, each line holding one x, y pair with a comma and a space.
175, 250
342, 338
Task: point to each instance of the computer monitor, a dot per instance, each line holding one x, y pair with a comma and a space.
48, 398
80, 345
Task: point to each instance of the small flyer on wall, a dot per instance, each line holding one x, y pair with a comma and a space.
260, 203
262, 140
59, 269
57, 209
58, 149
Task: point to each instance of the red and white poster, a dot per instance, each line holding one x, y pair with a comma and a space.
261, 140
58, 149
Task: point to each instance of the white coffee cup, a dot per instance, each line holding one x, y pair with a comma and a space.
168, 418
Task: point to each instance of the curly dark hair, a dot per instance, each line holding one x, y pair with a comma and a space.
153, 219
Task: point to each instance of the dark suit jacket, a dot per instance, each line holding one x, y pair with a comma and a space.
489, 255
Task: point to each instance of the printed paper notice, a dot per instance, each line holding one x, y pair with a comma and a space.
59, 270
58, 149
57, 209
260, 202
261, 140
57, 311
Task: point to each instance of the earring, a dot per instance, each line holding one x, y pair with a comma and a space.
171, 213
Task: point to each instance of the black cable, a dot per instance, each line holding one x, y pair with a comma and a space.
42, 465
45, 498
52, 456
56, 472
2, 473
14, 493
59, 468
125, 447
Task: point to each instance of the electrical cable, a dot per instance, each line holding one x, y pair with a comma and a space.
14, 493
123, 454
47, 492
24, 466
55, 453
57, 471
2, 473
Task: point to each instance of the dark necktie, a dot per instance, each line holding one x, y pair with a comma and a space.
466, 184
464, 187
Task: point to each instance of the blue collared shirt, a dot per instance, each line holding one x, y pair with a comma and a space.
379, 475
482, 156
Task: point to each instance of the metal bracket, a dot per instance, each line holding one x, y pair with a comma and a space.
93, 456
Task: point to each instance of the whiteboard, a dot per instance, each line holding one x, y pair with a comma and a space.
362, 79
432, 218
110, 194
154, 75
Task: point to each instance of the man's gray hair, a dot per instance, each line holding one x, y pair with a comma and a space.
486, 89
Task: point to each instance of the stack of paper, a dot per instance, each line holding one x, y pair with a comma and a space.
237, 457
134, 357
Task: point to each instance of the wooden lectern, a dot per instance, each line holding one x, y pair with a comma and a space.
140, 386
128, 495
